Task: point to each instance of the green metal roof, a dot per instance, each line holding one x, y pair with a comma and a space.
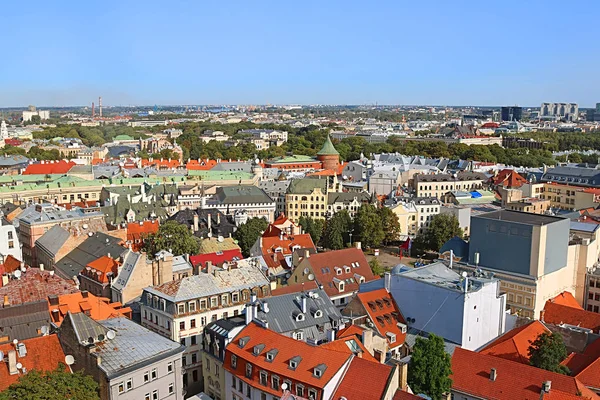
307, 186
328, 149
292, 159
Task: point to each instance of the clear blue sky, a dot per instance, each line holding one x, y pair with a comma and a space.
441, 52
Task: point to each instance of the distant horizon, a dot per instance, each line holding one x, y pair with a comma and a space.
272, 52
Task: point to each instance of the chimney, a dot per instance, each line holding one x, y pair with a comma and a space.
196, 221
209, 223
265, 307
249, 313
367, 340
493, 374
209, 267
4, 280
306, 253
546, 386
253, 298
53, 300
358, 245
218, 219
6, 301
41, 267
403, 376
542, 312
303, 300
84, 294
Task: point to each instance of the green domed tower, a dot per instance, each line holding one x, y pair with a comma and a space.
328, 155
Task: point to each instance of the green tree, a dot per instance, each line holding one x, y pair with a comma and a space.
390, 224
173, 237
430, 368
376, 267
547, 352
336, 230
247, 233
51, 385
442, 228
368, 227
36, 119
314, 227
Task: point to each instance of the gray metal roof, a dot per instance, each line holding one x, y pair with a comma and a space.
23, 321
241, 195
87, 330
520, 217
573, 174
130, 260
283, 310
53, 240
583, 226
95, 246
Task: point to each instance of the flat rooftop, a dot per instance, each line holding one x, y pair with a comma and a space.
520, 217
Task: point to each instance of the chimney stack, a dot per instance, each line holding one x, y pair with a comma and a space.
358, 245
306, 253
209, 267
493, 374
209, 223
304, 307
196, 222
6, 301
100, 105
546, 386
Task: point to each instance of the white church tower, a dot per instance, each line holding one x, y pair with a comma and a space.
3, 130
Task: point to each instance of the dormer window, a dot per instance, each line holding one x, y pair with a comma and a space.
294, 362
258, 348
338, 270
243, 341
319, 370
346, 269
391, 337
317, 313
270, 356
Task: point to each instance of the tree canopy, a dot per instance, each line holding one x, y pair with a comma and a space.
314, 227
173, 237
547, 352
247, 233
430, 368
442, 228
376, 267
368, 227
390, 224
337, 230
52, 385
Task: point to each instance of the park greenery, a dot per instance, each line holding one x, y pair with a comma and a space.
314, 227
547, 352
52, 385
430, 368
174, 237
442, 228
247, 234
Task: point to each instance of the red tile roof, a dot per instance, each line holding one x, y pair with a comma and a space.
217, 258
44, 353
281, 219
351, 330
11, 264
36, 285
101, 269
577, 362
567, 299
137, 232
385, 314
202, 165
402, 395
49, 167
355, 386
471, 375
172, 163
557, 314
590, 375
295, 288
509, 178
326, 266
288, 348
514, 344
275, 245
98, 308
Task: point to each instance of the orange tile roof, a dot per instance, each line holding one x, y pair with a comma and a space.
557, 314
137, 232
288, 348
11, 264
567, 299
514, 344
172, 163
351, 330
402, 395
577, 362
355, 386
49, 167
590, 375
202, 165
343, 343
471, 375
509, 178
98, 308
276, 245
44, 353
101, 269
324, 267
295, 288
281, 219
385, 314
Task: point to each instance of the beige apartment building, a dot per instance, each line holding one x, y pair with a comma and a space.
437, 185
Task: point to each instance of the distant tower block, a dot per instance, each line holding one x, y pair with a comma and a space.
328, 155
100, 105
93, 110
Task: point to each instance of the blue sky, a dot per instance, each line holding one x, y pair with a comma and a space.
306, 52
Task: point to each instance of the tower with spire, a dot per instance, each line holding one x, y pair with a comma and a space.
328, 155
3, 130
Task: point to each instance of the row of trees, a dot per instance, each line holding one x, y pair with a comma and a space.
34, 152
90, 136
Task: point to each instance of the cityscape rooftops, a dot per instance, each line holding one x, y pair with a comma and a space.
514, 344
521, 217
97, 308
35, 285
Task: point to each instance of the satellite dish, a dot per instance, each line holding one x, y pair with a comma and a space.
311, 277
110, 334
69, 360
464, 274
19, 366
15, 342
257, 161
18, 274
45, 330
220, 239
306, 270
284, 386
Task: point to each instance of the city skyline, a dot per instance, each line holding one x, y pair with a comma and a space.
272, 53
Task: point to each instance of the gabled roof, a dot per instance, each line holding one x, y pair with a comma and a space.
509, 178
140, 230
276, 245
471, 375
349, 331
217, 258
49, 167
514, 344
97, 308
101, 269
24, 321
566, 299
331, 267
355, 386
43, 354
385, 314
54, 239
558, 314
307, 357
350, 345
